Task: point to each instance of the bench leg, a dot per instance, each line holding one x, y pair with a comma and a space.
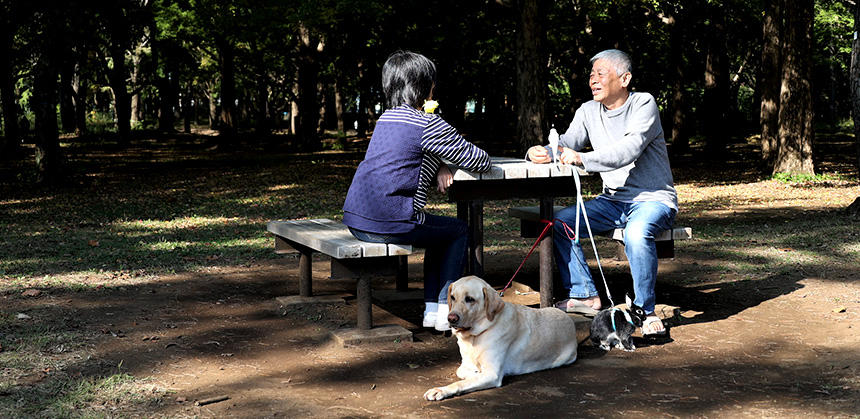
305, 273
364, 309
401, 281
282, 245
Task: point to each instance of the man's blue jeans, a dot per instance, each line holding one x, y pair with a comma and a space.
444, 240
641, 221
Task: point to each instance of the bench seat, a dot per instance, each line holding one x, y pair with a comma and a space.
350, 257
530, 227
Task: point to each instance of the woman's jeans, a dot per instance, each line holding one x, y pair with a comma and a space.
641, 221
444, 240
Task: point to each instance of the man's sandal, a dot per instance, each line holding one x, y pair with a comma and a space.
573, 305
648, 326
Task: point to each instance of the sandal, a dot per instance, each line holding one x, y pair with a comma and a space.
649, 323
572, 305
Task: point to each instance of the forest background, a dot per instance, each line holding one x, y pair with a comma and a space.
305, 73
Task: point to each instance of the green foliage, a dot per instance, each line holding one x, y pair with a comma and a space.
807, 178
171, 49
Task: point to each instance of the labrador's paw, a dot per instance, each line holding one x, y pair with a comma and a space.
437, 393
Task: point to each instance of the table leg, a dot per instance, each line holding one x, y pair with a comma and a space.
546, 285
476, 227
463, 214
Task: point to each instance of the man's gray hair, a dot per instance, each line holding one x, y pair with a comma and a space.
619, 59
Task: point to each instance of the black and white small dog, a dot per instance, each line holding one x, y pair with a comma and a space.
614, 326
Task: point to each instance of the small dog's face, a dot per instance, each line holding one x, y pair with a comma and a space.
472, 305
637, 314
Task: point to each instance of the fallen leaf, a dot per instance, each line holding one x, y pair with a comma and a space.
93, 243
31, 293
413, 366
840, 309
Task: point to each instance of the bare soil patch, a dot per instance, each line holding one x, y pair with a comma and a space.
782, 347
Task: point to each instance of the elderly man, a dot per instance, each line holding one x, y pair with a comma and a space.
629, 151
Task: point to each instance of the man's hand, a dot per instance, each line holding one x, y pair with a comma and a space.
538, 154
568, 156
444, 178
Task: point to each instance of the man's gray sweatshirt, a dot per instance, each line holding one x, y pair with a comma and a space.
629, 150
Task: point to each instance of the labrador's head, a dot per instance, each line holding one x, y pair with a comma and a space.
472, 305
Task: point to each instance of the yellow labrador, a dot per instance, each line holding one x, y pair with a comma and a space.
498, 338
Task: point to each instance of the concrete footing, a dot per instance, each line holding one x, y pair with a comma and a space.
317, 299
378, 334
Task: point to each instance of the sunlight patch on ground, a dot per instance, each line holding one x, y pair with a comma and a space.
177, 223
282, 187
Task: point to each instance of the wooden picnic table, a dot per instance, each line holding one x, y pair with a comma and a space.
511, 178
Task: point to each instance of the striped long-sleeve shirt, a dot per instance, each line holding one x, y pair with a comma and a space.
390, 186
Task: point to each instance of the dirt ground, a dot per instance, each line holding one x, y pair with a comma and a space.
785, 346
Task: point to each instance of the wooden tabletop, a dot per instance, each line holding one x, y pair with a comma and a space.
515, 168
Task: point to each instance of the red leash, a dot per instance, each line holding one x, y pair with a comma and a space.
567, 230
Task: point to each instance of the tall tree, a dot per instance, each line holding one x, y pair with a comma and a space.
311, 45
531, 68
678, 121
855, 79
10, 139
715, 102
47, 47
770, 78
794, 153
122, 24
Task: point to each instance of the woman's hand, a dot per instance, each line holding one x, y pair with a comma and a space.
444, 178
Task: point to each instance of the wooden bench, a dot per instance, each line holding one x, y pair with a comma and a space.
350, 258
530, 227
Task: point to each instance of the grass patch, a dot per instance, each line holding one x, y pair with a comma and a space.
115, 395
809, 178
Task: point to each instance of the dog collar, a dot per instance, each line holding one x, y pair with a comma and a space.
626, 317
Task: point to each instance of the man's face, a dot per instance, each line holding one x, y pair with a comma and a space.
606, 85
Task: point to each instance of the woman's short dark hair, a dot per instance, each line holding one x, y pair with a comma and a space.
407, 78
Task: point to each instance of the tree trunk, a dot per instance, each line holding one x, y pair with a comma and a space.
794, 153
135, 81
168, 96
9, 146
855, 80
364, 83
321, 109
213, 105
122, 99
188, 107
79, 100
48, 155
531, 66
338, 108
310, 46
769, 79
228, 87
67, 106
263, 122
680, 141
715, 100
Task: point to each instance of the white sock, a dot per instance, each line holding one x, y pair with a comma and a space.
431, 308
